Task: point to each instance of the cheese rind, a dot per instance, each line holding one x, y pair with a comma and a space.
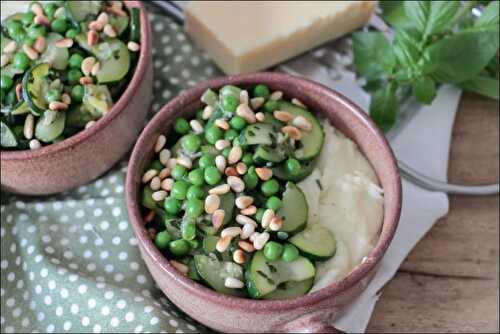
247, 36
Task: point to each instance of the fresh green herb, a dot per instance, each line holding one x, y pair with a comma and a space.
435, 42
320, 186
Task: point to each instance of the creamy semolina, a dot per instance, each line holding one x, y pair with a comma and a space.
344, 196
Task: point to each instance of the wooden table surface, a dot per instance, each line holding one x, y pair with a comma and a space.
450, 281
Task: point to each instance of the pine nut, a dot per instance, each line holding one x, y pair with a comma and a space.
60, 13
29, 126
247, 230
244, 97
222, 123
220, 190
95, 69
159, 195
254, 236
234, 155
232, 231
109, 31
148, 176
96, 25
87, 65
165, 154
207, 112
243, 202
212, 203
65, 98
239, 256
148, 218
267, 217
223, 244
64, 43
89, 124
160, 142
222, 144
155, 183
261, 240
10, 47
218, 218
276, 223
30, 52
5, 60
246, 246
250, 211
231, 171
57, 106
92, 37
171, 163
19, 91
181, 267
245, 112
196, 126
34, 144
41, 20
167, 184
264, 173
233, 283
236, 184
220, 163
243, 220
86, 80
302, 123
257, 102
241, 168
260, 117
283, 116
36, 8
299, 103
292, 132
39, 44
103, 18
185, 162
164, 173
133, 46
275, 96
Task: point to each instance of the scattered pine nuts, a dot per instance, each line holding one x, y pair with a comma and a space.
196, 126
231, 171
218, 218
292, 132
232, 231
96, 25
181, 267
220, 190
41, 20
239, 256
257, 102
103, 18
155, 183
64, 43
86, 80
223, 244
244, 111
249, 211
247, 230
220, 163
167, 184
222, 144
57, 106
261, 240
243, 202
164, 156
277, 95
254, 236
222, 123
159, 195
185, 161
302, 123
241, 219
92, 37
109, 31
264, 173
207, 112
30, 52
234, 155
148, 176
29, 126
39, 44
10, 47
36, 8
19, 91
233, 283
212, 203
5, 60
246, 246
241, 168
236, 184
299, 103
276, 223
260, 117
267, 217
164, 173
95, 69
283, 116
171, 163
65, 98
89, 124
133, 46
244, 97
87, 65
160, 142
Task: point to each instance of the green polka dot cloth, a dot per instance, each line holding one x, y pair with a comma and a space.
70, 262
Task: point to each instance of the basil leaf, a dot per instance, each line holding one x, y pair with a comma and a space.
489, 18
424, 89
373, 55
393, 12
431, 16
483, 85
384, 107
406, 48
461, 56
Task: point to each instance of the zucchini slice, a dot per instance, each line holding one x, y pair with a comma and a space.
260, 134
34, 86
215, 272
50, 126
7, 137
57, 57
294, 210
115, 60
227, 204
290, 290
265, 154
79, 11
316, 242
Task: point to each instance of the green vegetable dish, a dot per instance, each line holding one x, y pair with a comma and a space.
220, 198
64, 64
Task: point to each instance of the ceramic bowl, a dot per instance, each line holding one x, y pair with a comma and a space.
313, 312
89, 153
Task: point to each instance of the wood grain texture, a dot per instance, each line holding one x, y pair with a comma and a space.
450, 281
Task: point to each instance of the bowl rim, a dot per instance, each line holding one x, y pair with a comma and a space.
192, 287
116, 109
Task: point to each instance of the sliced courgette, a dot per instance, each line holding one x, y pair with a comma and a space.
306, 168
260, 134
227, 204
294, 210
135, 25
215, 272
7, 137
120, 23
209, 242
290, 290
11, 71
97, 99
316, 242
265, 154
114, 57
50, 126
57, 57
78, 116
79, 11
230, 90
34, 86
193, 273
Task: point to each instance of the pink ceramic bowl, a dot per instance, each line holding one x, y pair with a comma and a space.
310, 313
86, 155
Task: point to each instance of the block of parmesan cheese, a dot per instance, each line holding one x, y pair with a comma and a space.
247, 36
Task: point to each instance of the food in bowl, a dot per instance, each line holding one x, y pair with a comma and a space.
231, 197
64, 64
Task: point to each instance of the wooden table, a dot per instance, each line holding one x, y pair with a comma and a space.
450, 281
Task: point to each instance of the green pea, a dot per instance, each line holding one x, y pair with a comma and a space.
77, 93
259, 214
75, 61
225, 152
36, 30
199, 114
5, 82
59, 26
237, 142
270, 187
273, 250
290, 253
21, 61
212, 175
11, 98
156, 165
162, 240
72, 33
237, 123
206, 160
196, 177
230, 134
230, 103
213, 133
194, 207
191, 143
195, 192
53, 95
181, 126
27, 18
15, 28
172, 205
250, 178
271, 106
50, 9
188, 229
179, 189
74, 76
178, 172
179, 247
273, 202
261, 91
247, 159
292, 166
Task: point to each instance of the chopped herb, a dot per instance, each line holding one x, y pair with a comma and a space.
320, 186
251, 133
